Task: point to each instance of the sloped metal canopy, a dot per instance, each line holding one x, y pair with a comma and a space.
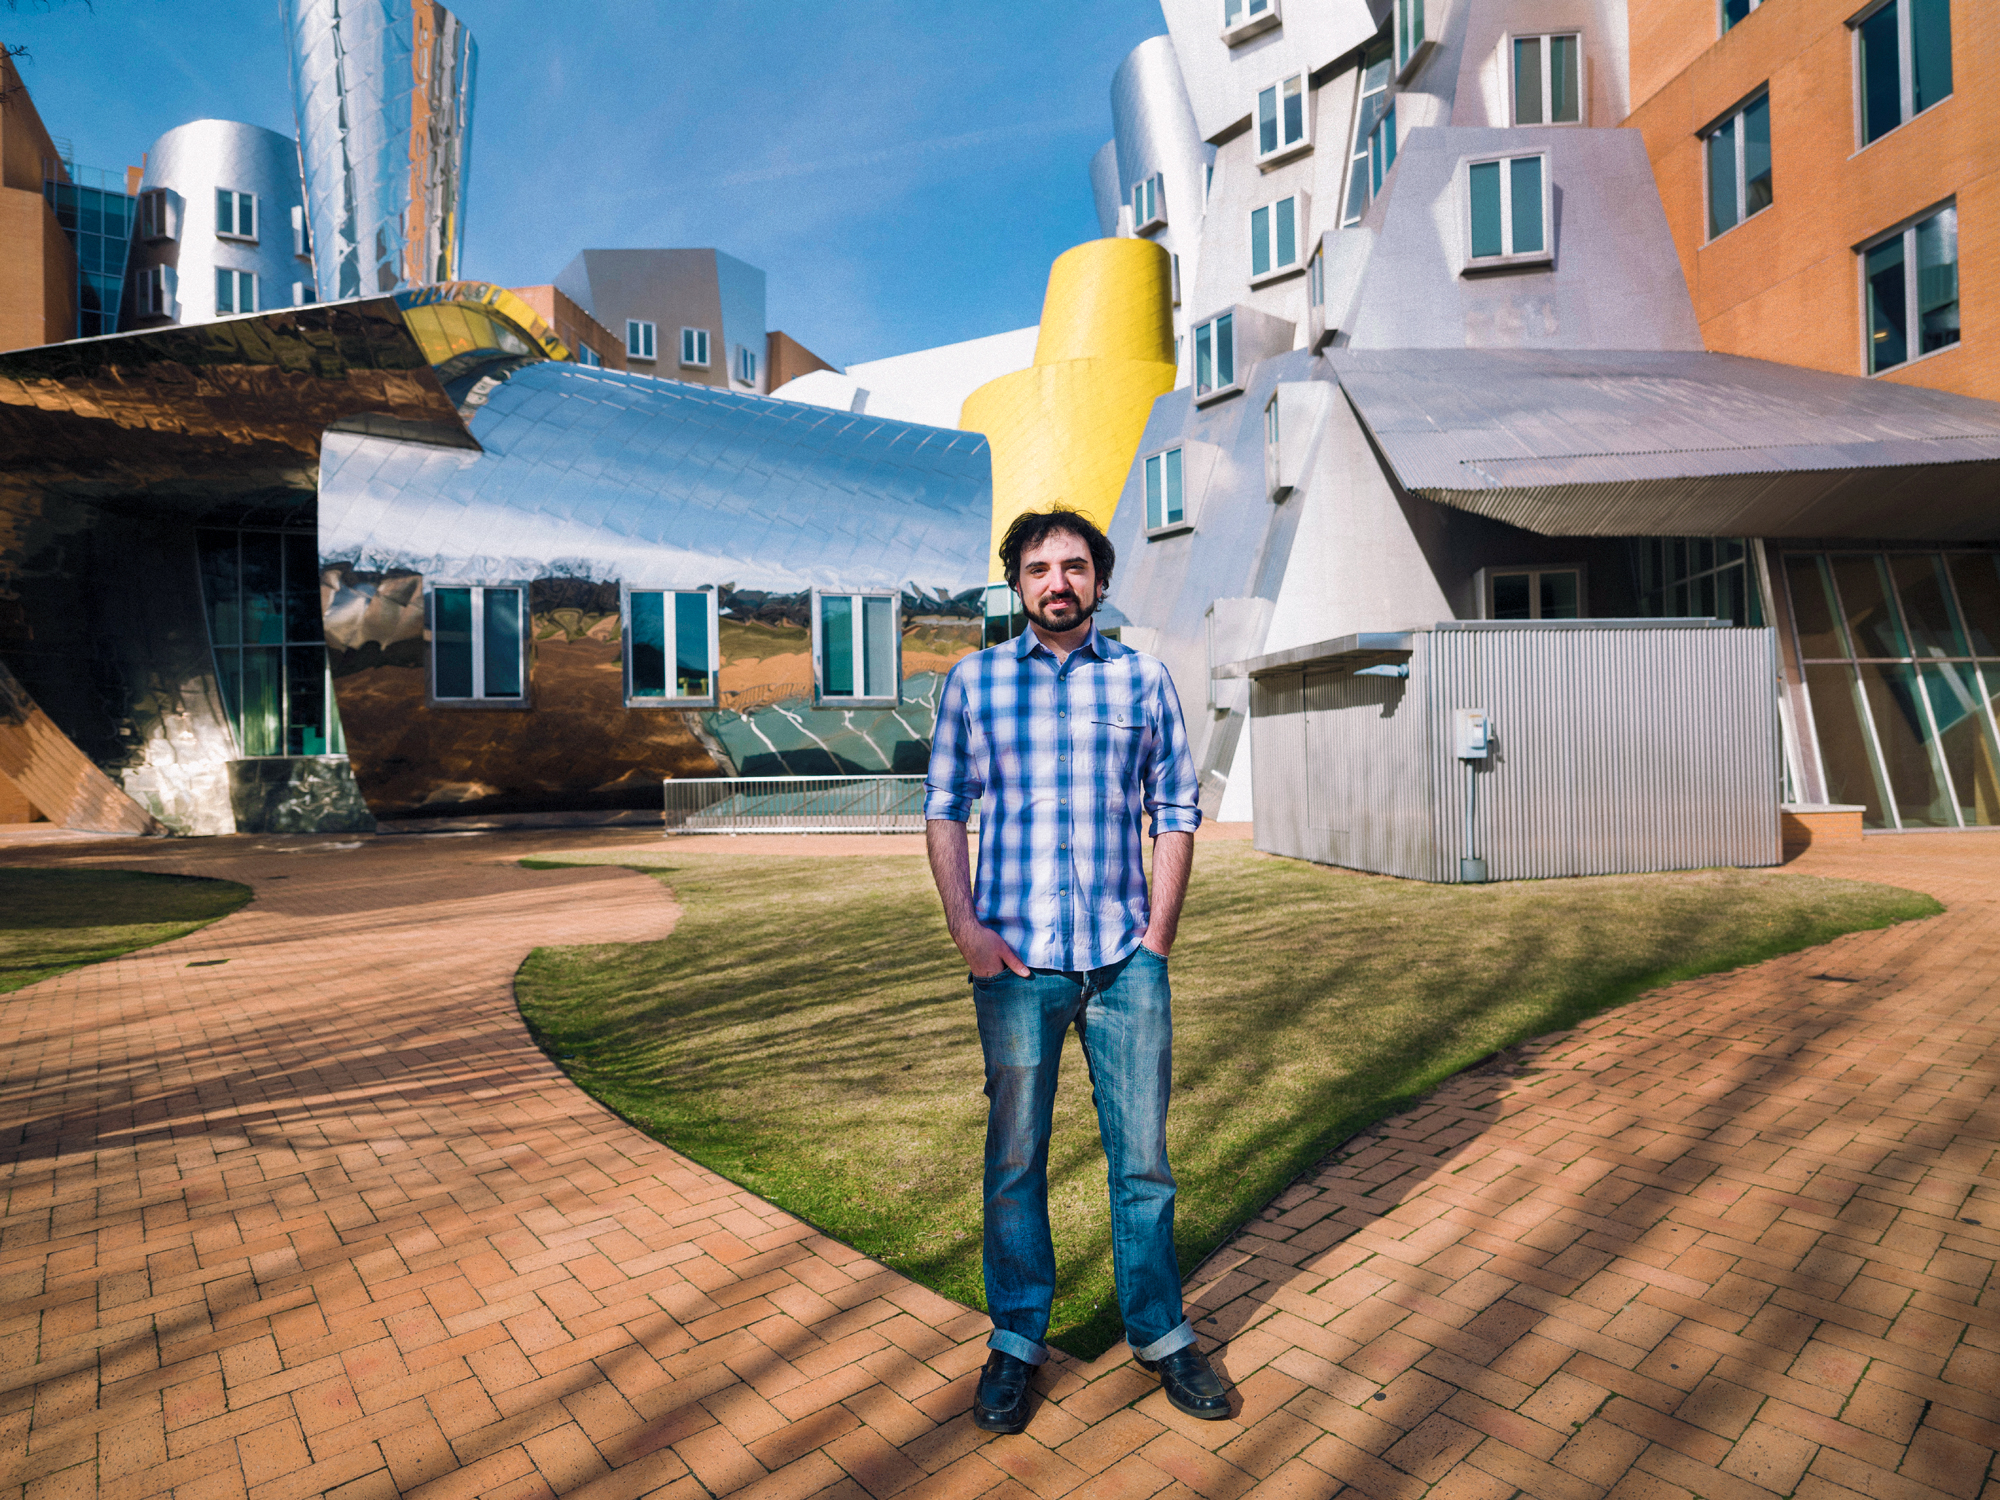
1348, 653
1642, 443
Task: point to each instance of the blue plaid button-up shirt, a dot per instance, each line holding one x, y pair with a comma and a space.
1062, 757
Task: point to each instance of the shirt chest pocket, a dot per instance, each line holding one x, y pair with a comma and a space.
1120, 736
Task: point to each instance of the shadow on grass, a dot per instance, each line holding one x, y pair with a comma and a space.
56, 920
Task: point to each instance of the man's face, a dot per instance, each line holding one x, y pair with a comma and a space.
1058, 582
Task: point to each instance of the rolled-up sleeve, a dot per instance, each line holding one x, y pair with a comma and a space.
1173, 790
952, 783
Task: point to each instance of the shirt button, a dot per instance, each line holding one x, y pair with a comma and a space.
1062, 713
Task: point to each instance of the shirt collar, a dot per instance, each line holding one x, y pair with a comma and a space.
1100, 646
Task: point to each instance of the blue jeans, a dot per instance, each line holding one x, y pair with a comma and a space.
1123, 1014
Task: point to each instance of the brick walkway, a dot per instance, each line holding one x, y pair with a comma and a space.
319, 1220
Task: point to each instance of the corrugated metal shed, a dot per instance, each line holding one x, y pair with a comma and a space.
1663, 443
1618, 747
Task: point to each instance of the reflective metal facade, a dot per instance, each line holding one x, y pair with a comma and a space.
383, 91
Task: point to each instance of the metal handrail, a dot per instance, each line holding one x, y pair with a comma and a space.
795, 804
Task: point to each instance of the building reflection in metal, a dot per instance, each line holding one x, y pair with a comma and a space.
383, 94
591, 484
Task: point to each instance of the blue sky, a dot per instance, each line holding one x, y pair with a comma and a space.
904, 173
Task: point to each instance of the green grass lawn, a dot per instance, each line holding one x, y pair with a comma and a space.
52, 921
807, 1030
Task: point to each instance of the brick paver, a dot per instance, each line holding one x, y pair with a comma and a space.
294, 1208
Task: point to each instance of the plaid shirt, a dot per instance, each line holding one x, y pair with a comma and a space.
1061, 757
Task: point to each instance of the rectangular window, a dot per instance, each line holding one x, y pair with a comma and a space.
1275, 237
1215, 355
1902, 53
301, 233
1507, 209
1242, 19
156, 215
477, 644
1734, 11
1912, 290
1316, 279
1149, 203
639, 339
235, 214
746, 364
156, 291
670, 647
235, 292
1282, 118
1535, 594
694, 348
1548, 80
261, 592
1174, 267
1409, 33
1374, 133
301, 293
1164, 504
585, 355
857, 647
1738, 152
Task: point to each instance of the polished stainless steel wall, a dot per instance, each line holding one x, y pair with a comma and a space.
1154, 132
383, 94
1616, 750
191, 162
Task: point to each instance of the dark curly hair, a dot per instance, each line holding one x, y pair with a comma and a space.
1031, 528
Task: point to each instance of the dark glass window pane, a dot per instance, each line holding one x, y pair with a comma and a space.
503, 643
1155, 492
225, 291
1486, 208
219, 586
1812, 609
1881, 75
263, 588
1965, 739
1267, 122
302, 614
1734, 11
1382, 147
1937, 281
878, 646
1977, 575
1843, 743
451, 642
225, 211
1286, 232
1930, 50
1526, 189
836, 641
1174, 509
1722, 180
1559, 600
1565, 78
1225, 349
1260, 241
1888, 311
691, 645
1907, 760
1510, 596
261, 728
1295, 115
305, 701
1757, 156
1204, 369
1528, 80
1927, 612
1864, 599
648, 646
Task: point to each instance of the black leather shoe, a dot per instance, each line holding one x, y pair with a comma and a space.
1001, 1402
1190, 1384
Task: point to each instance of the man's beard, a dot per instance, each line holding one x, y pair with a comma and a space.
1040, 616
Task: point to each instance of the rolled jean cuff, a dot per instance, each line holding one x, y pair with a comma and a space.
1161, 1347
1024, 1348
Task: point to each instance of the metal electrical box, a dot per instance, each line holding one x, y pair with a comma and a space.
1470, 733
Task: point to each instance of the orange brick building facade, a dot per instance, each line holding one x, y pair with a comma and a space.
37, 262
1787, 283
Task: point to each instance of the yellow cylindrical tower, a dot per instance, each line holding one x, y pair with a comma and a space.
1066, 428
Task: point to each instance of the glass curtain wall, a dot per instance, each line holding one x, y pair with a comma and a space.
1699, 577
261, 590
1901, 655
98, 220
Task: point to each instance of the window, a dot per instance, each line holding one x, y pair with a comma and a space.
585, 355
1276, 231
1174, 270
1316, 278
301, 233
1242, 19
1273, 459
1698, 577
1410, 41
639, 339
1734, 11
476, 644
1165, 507
1912, 291
157, 219
1739, 166
156, 291
1903, 56
1548, 80
1374, 134
1507, 204
262, 597
1215, 356
235, 292
1149, 204
235, 214
694, 347
670, 647
1534, 594
301, 293
746, 364
856, 646
1282, 118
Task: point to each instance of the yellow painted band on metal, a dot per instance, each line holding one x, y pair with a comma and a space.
484, 299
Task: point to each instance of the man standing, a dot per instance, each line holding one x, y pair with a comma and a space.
1063, 737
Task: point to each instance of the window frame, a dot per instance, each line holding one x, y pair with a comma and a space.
695, 342
1174, 275
1906, 70
641, 340
1172, 462
1256, 17
746, 365
1735, 117
478, 700
157, 288
157, 218
824, 699
237, 279
1212, 325
1912, 292
1545, 39
239, 199
1488, 576
1750, 8
1278, 270
1283, 150
1365, 148
1412, 42
301, 233
1153, 191
713, 697
1508, 256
